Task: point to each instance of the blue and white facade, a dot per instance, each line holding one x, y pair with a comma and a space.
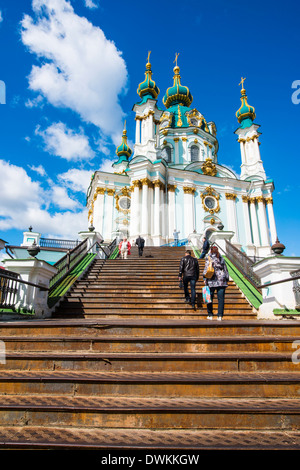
173, 180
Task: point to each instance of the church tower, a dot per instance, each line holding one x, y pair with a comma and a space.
248, 137
172, 179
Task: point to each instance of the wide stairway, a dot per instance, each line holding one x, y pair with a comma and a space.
125, 363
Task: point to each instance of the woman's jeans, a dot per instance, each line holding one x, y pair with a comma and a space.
192, 281
221, 296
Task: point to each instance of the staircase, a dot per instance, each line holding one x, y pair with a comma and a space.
124, 363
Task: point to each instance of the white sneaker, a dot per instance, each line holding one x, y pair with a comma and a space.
220, 318
209, 317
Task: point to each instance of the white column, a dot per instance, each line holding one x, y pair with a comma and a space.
273, 231
109, 213
263, 223
135, 209
138, 130
254, 224
171, 209
247, 220
231, 215
98, 210
145, 207
176, 156
188, 210
157, 202
242, 146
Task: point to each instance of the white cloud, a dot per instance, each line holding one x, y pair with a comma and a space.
24, 202
38, 169
91, 4
106, 165
65, 143
77, 180
81, 70
1, 16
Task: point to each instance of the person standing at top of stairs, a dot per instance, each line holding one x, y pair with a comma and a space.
189, 273
140, 242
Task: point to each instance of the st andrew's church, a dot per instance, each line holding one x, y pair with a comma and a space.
172, 178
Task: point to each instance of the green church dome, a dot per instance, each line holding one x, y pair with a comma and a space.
177, 94
123, 151
246, 113
148, 87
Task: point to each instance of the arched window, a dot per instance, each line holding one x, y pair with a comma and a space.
166, 153
194, 153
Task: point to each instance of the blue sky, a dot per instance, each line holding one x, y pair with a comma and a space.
72, 68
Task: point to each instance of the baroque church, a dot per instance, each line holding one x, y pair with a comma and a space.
172, 179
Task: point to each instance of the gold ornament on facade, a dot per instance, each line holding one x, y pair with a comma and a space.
159, 184
260, 199
269, 200
252, 200
230, 196
172, 187
110, 191
209, 168
245, 199
136, 184
210, 193
189, 190
212, 221
179, 121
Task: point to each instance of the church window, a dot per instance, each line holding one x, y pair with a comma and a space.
166, 154
194, 153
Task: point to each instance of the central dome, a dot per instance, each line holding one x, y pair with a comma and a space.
177, 94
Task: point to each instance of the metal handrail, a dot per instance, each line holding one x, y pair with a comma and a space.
242, 262
250, 279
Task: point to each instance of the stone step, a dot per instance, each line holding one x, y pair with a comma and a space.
140, 328
149, 441
146, 413
221, 384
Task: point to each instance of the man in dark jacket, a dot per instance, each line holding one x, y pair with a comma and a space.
189, 273
140, 242
205, 248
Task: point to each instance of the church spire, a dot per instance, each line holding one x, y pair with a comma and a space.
177, 94
123, 151
148, 87
246, 113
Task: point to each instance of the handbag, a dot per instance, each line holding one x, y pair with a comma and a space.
206, 295
210, 270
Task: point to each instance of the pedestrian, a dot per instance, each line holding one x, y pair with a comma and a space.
189, 273
176, 236
140, 242
218, 282
124, 248
205, 248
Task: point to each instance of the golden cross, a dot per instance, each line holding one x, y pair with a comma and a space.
242, 82
176, 57
149, 56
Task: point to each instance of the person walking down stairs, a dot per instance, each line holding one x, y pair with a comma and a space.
189, 273
218, 282
124, 248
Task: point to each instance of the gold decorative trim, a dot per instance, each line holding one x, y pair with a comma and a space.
269, 200
172, 187
100, 190
230, 196
136, 184
110, 192
188, 190
245, 199
209, 191
260, 199
252, 200
176, 139
209, 168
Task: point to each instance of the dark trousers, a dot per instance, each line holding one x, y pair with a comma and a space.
141, 250
203, 254
221, 297
192, 281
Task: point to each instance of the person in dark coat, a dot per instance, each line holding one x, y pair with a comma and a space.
205, 248
189, 273
218, 282
140, 242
